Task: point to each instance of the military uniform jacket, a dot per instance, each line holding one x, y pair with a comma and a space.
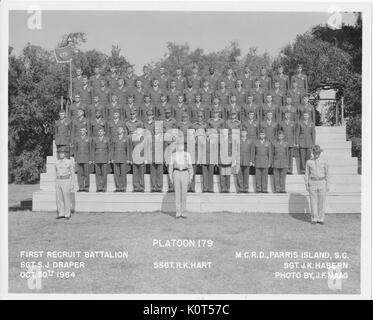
77, 84
180, 83
104, 94
230, 108
155, 94
112, 80
178, 110
261, 153
206, 95
196, 81
163, 82
168, 124
146, 81
138, 93
194, 109
82, 149
95, 107
73, 109
305, 134
78, 124
189, 95
265, 82
309, 108
213, 80
121, 93
101, 149
245, 152
94, 82
240, 94
270, 129
111, 108
233, 124
160, 110
129, 80
96, 125
278, 97
86, 94
293, 113
216, 124
251, 107
280, 154
230, 82
112, 127
270, 107
173, 95
283, 79
289, 129
128, 108
247, 81
120, 151
251, 128
144, 109
302, 82
223, 95
62, 132
214, 107
258, 95
296, 96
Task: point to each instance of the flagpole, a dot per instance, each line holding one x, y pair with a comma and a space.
61, 102
71, 82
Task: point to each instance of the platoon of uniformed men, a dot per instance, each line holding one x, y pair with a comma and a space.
273, 114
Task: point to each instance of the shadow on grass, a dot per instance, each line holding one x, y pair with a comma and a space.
24, 205
299, 206
168, 204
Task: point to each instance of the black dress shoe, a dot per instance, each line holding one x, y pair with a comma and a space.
313, 223
86, 190
320, 222
116, 190
60, 217
80, 190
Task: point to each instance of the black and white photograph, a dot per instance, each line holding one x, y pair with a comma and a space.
186, 149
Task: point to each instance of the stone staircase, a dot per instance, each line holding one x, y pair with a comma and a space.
344, 195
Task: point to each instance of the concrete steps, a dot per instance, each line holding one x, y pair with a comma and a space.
292, 203
344, 195
294, 183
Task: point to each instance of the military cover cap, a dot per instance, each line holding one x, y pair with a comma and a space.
316, 149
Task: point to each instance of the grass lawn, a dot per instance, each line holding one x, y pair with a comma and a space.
135, 233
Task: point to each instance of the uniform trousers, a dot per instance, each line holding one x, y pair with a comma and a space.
101, 176
138, 177
156, 176
83, 176
242, 179
279, 177
290, 160
181, 187
317, 191
208, 178
192, 185
120, 176
63, 201
225, 178
261, 179
304, 155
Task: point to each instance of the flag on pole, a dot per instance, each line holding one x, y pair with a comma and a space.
64, 54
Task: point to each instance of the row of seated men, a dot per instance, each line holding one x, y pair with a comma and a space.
208, 87
101, 142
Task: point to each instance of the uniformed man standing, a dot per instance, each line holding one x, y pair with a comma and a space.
265, 80
289, 108
138, 169
261, 156
247, 79
250, 106
179, 79
251, 127
62, 132
280, 163
94, 107
212, 79
172, 93
190, 93
103, 92
282, 79
242, 177
180, 173
317, 184
100, 152
112, 78
200, 126
307, 107
80, 122
75, 106
184, 125
156, 166
305, 140
206, 93
288, 127
83, 158
85, 92
270, 127
169, 123
114, 123
64, 185
77, 82
301, 79
120, 156
179, 108
197, 107
94, 80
